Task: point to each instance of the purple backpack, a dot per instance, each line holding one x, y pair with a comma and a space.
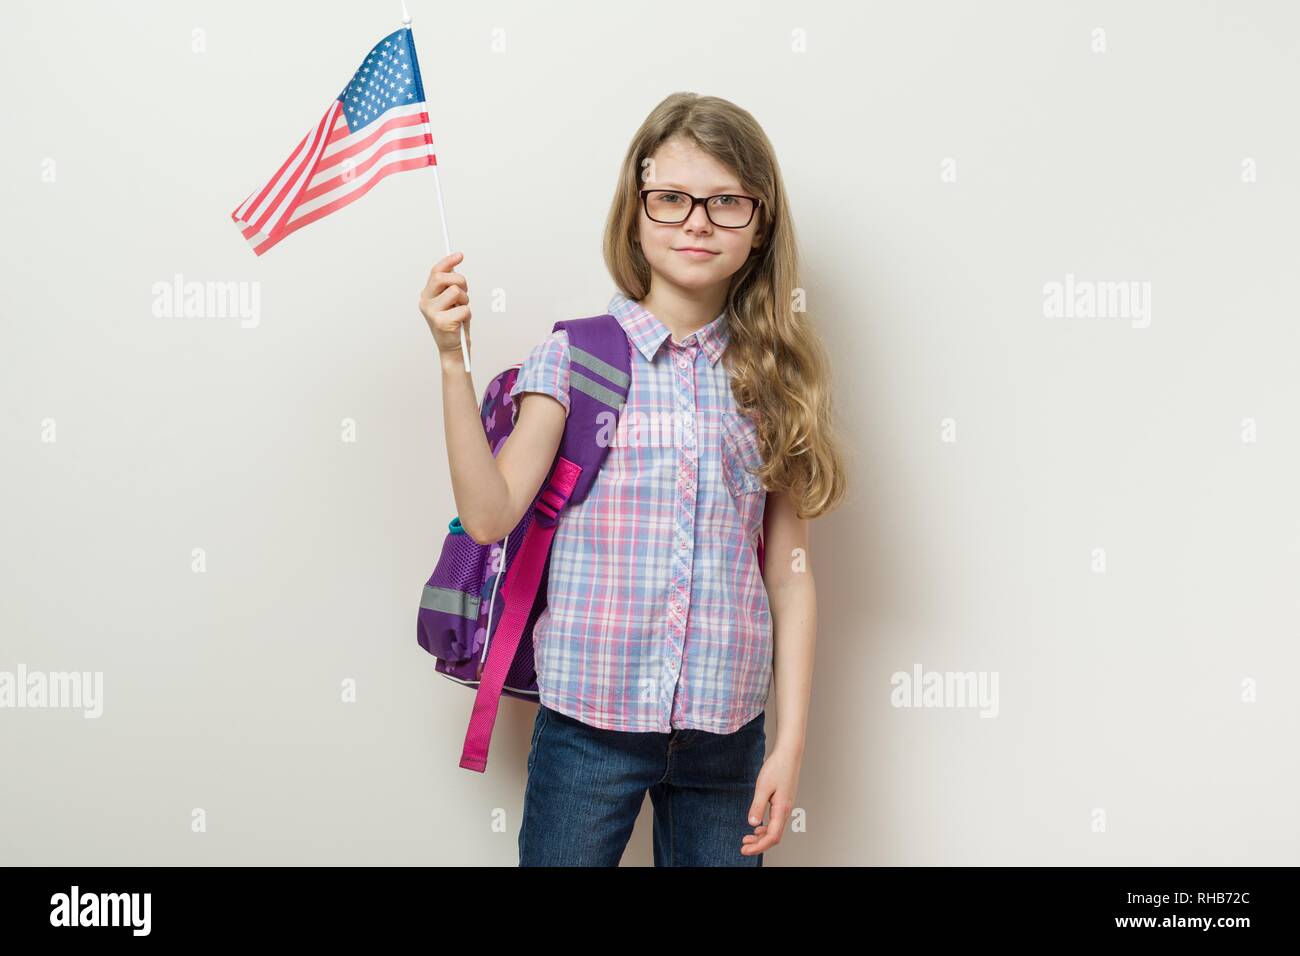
478, 609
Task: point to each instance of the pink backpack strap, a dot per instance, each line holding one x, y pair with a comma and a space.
521, 585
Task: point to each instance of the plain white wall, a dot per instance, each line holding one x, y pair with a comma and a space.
1144, 712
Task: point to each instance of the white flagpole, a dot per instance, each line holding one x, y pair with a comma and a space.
442, 212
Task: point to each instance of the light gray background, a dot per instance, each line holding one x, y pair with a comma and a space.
1119, 692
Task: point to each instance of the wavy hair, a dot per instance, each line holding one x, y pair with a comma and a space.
780, 372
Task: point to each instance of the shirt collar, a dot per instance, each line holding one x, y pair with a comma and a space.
647, 333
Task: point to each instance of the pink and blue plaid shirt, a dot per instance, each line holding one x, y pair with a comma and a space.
657, 614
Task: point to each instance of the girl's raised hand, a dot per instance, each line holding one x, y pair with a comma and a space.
444, 303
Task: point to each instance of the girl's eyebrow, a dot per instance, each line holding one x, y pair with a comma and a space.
715, 191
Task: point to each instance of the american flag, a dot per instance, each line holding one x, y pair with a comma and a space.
378, 125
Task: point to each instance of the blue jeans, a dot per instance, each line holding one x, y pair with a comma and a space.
586, 787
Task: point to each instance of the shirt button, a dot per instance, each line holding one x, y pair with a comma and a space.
681, 361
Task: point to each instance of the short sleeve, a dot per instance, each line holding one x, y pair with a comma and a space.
545, 370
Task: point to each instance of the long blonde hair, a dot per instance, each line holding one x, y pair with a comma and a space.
780, 373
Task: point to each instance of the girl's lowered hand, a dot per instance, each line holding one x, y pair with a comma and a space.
777, 782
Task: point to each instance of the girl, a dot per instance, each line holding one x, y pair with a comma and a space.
662, 636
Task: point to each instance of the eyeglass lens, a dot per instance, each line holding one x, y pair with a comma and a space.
727, 211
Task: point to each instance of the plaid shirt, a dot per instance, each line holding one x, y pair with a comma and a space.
657, 614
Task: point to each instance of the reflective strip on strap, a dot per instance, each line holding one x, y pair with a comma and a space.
451, 601
600, 393
600, 367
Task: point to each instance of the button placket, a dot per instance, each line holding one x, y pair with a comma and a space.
683, 363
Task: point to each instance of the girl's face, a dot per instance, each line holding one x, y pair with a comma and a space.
681, 165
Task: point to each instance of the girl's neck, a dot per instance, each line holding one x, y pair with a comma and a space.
681, 311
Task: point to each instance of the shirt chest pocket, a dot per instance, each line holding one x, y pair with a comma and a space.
741, 457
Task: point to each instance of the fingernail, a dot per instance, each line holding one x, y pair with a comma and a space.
753, 821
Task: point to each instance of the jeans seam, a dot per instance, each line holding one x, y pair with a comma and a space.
537, 735
523, 812
672, 844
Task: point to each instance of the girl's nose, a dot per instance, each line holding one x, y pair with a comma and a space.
698, 219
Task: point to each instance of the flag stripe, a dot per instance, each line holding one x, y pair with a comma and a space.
257, 212
325, 191
361, 149
323, 184
268, 215
391, 145
415, 163
344, 146
278, 211
246, 209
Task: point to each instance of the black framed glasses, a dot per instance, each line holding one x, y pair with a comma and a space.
673, 206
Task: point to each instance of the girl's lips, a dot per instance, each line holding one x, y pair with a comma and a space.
697, 253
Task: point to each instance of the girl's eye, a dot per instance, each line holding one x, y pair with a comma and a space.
726, 201
670, 197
